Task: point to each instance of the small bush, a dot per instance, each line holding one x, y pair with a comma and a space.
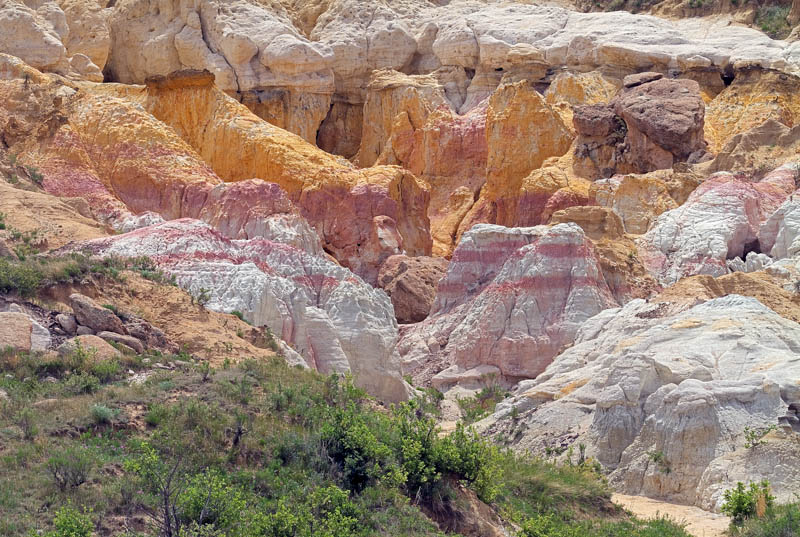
780, 521
70, 468
103, 415
743, 502
754, 437
203, 296
210, 498
772, 21
81, 383
35, 175
107, 370
25, 420
156, 414
69, 522
2, 221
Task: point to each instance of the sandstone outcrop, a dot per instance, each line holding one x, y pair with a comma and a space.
411, 284
94, 347
336, 321
754, 96
674, 379
511, 299
720, 220
649, 125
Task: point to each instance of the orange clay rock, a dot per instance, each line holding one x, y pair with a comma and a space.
755, 96
573, 89
639, 198
522, 131
54, 221
760, 285
163, 148
363, 216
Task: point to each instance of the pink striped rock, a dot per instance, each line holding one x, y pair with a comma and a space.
336, 321
512, 298
720, 220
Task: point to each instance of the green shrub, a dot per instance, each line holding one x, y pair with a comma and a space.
103, 415
156, 414
482, 404
69, 522
352, 445
25, 420
2, 221
70, 468
210, 498
81, 383
35, 175
742, 502
22, 278
106, 370
780, 521
754, 437
772, 21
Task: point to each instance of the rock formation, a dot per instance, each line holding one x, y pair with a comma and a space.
336, 321
511, 299
649, 125
671, 379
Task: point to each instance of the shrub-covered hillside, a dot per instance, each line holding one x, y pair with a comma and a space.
153, 445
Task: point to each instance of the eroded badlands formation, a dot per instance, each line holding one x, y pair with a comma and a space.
598, 211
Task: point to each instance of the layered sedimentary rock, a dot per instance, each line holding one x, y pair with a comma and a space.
649, 125
720, 220
253, 50
671, 379
511, 299
336, 321
167, 158
639, 199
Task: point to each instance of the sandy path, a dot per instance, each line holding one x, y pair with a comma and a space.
698, 522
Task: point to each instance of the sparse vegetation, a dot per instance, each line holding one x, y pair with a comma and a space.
660, 460
771, 19
778, 521
755, 437
35, 175
482, 404
742, 503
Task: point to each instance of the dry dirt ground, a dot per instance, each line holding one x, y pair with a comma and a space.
698, 522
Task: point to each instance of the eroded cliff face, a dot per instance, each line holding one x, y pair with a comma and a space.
598, 211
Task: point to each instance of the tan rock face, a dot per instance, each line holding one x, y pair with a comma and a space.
411, 284
517, 144
755, 96
15, 331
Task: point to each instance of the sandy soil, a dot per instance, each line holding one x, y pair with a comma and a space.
698, 522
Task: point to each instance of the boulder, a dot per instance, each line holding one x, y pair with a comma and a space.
650, 124
21, 333
129, 341
84, 331
94, 347
411, 284
90, 314
67, 322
